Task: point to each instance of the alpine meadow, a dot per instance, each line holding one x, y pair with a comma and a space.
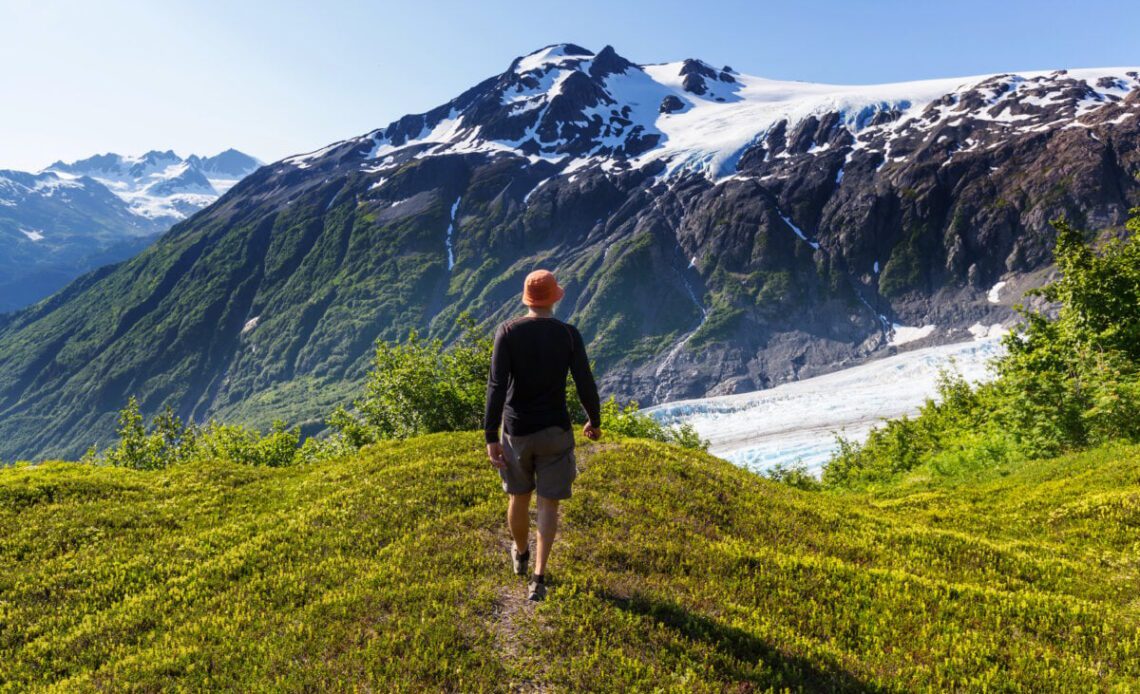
278, 427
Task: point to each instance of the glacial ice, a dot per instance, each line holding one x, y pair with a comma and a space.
798, 421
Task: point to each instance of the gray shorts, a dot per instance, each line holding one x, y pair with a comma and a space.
543, 460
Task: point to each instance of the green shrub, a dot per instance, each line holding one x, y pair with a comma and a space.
168, 441
903, 269
415, 387
795, 475
419, 387
628, 420
278, 448
1066, 381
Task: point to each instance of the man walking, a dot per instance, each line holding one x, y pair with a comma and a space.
526, 393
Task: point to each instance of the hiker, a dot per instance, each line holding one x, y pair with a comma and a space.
527, 384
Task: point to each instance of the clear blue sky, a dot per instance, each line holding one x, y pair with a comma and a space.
276, 78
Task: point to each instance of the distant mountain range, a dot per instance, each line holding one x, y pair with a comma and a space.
74, 217
716, 233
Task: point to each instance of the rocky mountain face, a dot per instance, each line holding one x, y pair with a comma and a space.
715, 232
73, 218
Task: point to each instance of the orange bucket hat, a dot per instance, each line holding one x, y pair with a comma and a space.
541, 289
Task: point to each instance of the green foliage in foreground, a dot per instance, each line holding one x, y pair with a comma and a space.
388, 571
628, 420
168, 441
420, 387
1065, 383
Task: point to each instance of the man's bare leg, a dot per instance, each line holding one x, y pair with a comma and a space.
518, 520
547, 530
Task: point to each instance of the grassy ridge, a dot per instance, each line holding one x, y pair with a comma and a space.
676, 570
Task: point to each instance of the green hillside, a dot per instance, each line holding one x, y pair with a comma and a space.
676, 571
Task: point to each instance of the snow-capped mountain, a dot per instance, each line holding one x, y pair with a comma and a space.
716, 233
72, 218
912, 198
163, 185
55, 227
565, 105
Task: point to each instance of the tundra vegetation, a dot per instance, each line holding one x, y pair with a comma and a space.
386, 569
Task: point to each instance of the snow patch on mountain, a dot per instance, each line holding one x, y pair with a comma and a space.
450, 231
981, 331
51, 183
799, 232
902, 334
555, 54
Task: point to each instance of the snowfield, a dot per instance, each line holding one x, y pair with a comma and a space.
798, 422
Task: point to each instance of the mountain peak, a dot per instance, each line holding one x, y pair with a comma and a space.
563, 102
159, 184
554, 54
608, 62
230, 163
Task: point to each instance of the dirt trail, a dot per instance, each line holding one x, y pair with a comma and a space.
515, 620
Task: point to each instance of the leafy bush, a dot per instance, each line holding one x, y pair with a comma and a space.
142, 450
278, 448
415, 387
795, 475
419, 387
630, 421
169, 441
1066, 381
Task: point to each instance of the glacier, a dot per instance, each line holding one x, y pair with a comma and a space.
797, 423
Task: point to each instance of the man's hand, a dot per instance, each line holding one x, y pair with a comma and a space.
591, 432
495, 453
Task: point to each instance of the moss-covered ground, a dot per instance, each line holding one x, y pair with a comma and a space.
388, 571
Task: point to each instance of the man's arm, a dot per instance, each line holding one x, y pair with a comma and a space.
584, 381
497, 387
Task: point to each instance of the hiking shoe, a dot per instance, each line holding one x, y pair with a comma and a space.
520, 560
537, 591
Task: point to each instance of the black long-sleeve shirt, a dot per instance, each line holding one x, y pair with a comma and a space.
526, 391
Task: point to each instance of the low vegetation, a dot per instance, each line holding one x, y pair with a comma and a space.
387, 570
1067, 381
